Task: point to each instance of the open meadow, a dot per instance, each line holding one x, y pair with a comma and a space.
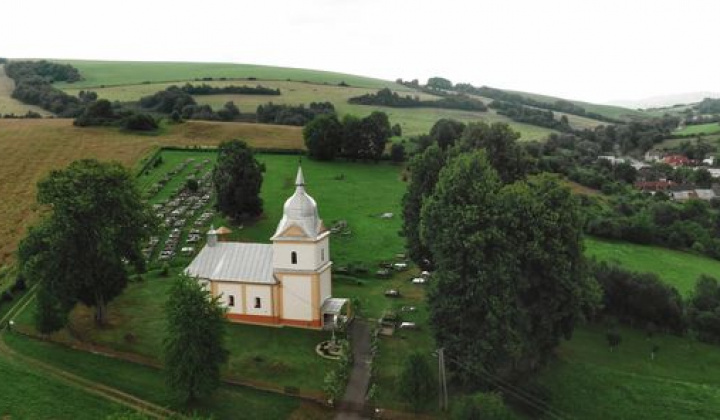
29, 149
680, 269
710, 128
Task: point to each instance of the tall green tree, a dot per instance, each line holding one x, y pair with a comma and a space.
353, 140
323, 137
424, 171
417, 382
238, 179
446, 132
504, 153
82, 251
509, 280
194, 345
377, 132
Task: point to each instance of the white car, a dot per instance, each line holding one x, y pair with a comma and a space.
419, 280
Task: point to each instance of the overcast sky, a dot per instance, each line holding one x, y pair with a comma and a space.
595, 50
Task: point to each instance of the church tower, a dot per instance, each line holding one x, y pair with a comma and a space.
301, 260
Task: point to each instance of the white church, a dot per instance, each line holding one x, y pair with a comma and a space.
288, 282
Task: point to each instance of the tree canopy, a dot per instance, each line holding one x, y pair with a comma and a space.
510, 279
194, 341
238, 179
323, 137
81, 251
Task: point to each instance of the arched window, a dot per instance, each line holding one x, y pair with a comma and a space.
231, 300
293, 257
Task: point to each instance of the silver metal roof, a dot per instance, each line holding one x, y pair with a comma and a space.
300, 210
333, 306
234, 261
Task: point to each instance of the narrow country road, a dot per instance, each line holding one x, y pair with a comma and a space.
353, 402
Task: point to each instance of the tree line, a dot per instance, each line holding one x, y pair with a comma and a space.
180, 104
386, 97
205, 89
534, 116
292, 114
326, 137
33, 86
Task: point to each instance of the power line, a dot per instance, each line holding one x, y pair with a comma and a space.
513, 390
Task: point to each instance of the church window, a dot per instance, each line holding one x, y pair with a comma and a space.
258, 303
231, 300
293, 257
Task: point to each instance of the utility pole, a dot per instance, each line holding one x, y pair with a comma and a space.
442, 380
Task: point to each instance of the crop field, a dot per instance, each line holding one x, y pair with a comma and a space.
711, 128
111, 73
29, 149
677, 268
8, 105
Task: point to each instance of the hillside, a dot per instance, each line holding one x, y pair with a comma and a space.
8, 105
30, 148
610, 111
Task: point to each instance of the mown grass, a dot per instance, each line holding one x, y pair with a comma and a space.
26, 393
711, 128
588, 381
29, 149
680, 269
229, 402
108, 73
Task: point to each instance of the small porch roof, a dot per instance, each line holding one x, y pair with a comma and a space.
333, 306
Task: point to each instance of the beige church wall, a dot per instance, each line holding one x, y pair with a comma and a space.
297, 297
325, 285
258, 291
306, 258
323, 244
225, 290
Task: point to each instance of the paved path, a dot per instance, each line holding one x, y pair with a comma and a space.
354, 400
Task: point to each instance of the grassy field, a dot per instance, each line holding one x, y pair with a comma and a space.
414, 121
677, 268
674, 143
111, 73
29, 149
149, 384
711, 128
609, 111
49, 397
587, 381
8, 105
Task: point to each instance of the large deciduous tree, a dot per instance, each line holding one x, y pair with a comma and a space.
81, 251
446, 132
510, 279
323, 137
500, 142
194, 342
238, 179
376, 129
424, 171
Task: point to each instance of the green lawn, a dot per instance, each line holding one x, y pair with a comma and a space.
677, 268
147, 383
710, 128
587, 381
26, 393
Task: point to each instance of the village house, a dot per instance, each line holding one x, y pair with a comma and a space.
286, 283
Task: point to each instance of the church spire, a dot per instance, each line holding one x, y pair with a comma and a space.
299, 179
